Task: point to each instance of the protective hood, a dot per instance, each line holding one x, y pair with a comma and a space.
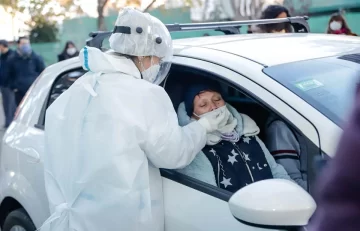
245, 126
94, 60
140, 34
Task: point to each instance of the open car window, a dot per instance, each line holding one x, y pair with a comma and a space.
243, 100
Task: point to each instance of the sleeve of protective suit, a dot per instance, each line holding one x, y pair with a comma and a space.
277, 170
167, 144
285, 149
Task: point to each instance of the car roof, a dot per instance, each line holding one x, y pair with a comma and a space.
274, 49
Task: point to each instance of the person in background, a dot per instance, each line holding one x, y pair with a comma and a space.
70, 51
273, 12
24, 67
338, 187
338, 25
8, 96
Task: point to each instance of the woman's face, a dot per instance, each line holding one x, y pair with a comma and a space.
71, 45
207, 101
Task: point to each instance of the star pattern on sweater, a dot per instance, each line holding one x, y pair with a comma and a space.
226, 182
247, 140
234, 153
232, 159
246, 156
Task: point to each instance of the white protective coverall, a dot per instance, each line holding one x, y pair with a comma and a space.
106, 138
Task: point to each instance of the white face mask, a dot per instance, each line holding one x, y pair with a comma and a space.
71, 51
213, 114
151, 73
335, 25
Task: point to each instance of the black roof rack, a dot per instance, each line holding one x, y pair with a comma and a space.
299, 24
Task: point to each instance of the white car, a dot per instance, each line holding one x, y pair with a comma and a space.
306, 79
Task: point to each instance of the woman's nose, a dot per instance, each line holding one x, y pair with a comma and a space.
213, 106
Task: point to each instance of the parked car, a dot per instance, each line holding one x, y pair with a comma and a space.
305, 79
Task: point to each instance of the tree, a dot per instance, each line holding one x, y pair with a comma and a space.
11, 7
104, 4
298, 7
44, 15
101, 19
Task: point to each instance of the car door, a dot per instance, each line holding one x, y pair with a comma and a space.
196, 206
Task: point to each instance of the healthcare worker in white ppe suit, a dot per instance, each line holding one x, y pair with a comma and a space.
111, 131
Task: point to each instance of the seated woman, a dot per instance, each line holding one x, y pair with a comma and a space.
234, 156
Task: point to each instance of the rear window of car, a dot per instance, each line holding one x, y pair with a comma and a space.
327, 84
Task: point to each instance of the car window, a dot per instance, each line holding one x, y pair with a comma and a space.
61, 84
242, 100
326, 84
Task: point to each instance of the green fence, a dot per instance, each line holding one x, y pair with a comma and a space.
78, 29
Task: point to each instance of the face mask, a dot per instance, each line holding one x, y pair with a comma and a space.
151, 73
213, 114
335, 25
25, 49
71, 51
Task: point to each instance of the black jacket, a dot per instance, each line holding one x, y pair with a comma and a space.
4, 66
24, 70
63, 56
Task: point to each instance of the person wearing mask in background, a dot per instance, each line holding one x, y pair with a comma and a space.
338, 25
24, 67
69, 51
338, 186
273, 12
113, 129
8, 96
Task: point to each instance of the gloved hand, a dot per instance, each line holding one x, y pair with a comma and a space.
213, 121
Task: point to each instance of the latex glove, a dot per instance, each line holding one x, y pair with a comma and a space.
214, 121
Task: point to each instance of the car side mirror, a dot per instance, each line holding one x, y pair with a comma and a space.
272, 204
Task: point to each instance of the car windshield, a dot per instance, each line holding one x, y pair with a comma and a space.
327, 84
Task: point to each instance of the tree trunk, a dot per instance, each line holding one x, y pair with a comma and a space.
101, 19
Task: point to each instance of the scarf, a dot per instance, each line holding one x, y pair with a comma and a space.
226, 132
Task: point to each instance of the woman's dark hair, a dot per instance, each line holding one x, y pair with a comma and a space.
272, 12
338, 17
67, 46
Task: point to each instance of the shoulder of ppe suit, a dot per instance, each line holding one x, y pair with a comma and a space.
94, 60
156, 96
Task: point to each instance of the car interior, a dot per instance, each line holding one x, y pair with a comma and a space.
175, 85
180, 78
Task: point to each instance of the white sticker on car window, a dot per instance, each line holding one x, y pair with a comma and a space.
308, 84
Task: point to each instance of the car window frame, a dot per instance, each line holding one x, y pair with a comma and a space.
41, 121
304, 140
